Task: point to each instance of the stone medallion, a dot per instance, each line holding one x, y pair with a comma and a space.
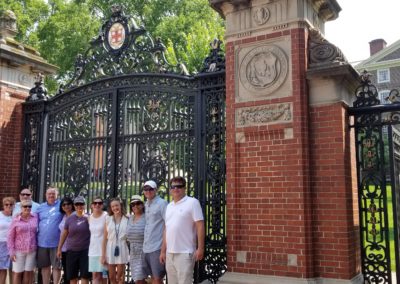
263, 68
261, 15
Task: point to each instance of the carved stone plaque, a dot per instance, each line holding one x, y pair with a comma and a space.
264, 68
263, 71
263, 115
261, 15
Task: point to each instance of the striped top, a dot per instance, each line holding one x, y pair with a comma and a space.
135, 236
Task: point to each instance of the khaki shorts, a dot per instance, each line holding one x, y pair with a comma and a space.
26, 261
180, 267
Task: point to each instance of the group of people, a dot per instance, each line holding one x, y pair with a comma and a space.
156, 238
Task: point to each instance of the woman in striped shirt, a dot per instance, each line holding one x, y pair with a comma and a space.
135, 236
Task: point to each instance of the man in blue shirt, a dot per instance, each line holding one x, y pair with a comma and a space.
49, 236
153, 233
25, 194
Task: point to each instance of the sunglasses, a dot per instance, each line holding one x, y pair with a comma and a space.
25, 194
8, 204
65, 204
79, 204
133, 204
175, 186
27, 206
148, 189
97, 202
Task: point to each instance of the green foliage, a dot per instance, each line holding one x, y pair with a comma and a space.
65, 33
61, 29
29, 13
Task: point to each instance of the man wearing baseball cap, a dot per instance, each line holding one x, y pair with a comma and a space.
153, 233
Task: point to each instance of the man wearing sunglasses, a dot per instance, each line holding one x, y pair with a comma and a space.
184, 235
153, 232
25, 194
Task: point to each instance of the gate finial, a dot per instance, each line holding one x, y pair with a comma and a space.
366, 93
215, 61
39, 92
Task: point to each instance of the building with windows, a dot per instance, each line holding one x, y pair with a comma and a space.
384, 66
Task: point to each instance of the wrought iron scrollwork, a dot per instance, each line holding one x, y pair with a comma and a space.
366, 93
32, 145
374, 126
215, 263
122, 47
143, 120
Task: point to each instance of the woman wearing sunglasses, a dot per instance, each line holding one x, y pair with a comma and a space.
67, 208
5, 222
135, 234
76, 232
22, 244
97, 221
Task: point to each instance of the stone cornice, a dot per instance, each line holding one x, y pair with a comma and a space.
18, 55
328, 10
224, 7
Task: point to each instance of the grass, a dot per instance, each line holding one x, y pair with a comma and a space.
392, 248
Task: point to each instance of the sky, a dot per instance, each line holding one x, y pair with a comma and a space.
362, 21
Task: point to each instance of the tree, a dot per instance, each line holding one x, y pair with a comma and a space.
66, 33
29, 13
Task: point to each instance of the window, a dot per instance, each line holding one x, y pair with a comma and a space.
382, 97
383, 76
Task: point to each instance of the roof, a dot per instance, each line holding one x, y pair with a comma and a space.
385, 58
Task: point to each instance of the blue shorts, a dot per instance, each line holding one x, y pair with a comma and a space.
152, 265
95, 264
5, 262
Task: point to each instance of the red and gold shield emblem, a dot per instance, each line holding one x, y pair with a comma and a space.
116, 36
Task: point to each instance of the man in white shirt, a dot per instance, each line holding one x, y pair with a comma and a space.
184, 234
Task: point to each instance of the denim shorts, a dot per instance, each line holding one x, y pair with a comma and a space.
152, 265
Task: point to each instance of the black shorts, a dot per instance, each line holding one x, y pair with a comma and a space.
78, 265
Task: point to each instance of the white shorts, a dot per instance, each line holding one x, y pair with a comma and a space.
26, 261
180, 268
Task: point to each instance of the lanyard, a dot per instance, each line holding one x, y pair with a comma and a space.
115, 226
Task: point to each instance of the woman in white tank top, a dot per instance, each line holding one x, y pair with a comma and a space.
97, 221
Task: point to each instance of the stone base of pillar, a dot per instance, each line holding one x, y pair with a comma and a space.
243, 278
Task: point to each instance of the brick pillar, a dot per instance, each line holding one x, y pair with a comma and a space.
18, 66
333, 176
278, 226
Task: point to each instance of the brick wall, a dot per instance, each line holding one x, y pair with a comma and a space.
11, 122
334, 193
269, 197
291, 198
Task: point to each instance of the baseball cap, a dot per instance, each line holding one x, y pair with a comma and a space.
150, 183
79, 199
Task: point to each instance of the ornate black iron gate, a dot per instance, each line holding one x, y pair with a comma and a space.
377, 133
128, 116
